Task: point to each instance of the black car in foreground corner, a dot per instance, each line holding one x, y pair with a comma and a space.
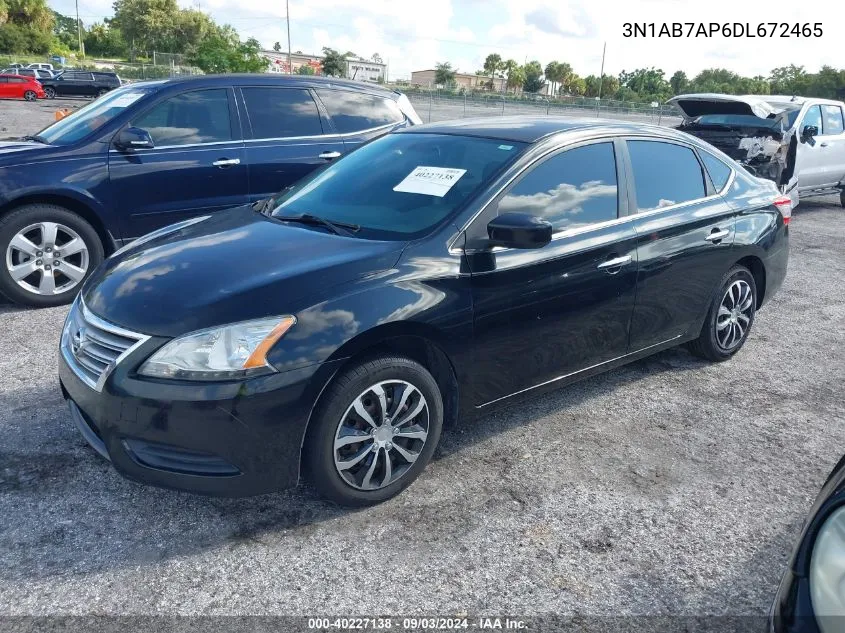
427, 276
811, 595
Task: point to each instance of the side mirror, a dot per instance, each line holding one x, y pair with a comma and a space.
809, 131
519, 230
134, 138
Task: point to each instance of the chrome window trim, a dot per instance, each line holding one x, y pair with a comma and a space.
731, 176
318, 136
93, 319
456, 250
157, 147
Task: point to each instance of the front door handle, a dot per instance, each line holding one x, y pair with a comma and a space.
717, 235
823, 144
329, 155
614, 265
227, 162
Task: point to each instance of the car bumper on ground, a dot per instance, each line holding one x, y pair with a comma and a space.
226, 439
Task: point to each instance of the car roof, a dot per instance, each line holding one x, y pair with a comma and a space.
273, 79
530, 129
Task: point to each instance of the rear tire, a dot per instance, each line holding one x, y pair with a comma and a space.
729, 318
393, 449
31, 271
101, 92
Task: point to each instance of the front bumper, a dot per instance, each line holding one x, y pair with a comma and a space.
226, 439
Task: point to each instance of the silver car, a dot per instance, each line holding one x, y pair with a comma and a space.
797, 142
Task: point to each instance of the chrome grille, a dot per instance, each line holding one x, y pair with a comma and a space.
93, 347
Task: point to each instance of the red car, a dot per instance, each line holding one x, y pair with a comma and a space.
20, 87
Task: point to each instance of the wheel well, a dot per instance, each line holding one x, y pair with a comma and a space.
80, 208
758, 271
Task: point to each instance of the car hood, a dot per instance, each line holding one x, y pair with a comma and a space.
9, 147
696, 105
235, 266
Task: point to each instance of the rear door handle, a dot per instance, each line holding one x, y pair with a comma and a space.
717, 235
226, 162
615, 263
329, 155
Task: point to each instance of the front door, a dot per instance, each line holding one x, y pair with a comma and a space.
544, 314
685, 232
287, 138
196, 167
811, 154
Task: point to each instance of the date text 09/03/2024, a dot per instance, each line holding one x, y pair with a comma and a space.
722, 29
417, 623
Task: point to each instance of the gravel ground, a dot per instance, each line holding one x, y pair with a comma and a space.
668, 487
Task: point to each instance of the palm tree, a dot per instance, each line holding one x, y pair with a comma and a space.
509, 67
553, 74
516, 77
492, 64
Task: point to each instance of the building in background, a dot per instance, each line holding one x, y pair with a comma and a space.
358, 69
425, 79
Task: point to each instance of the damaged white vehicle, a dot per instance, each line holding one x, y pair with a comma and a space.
797, 142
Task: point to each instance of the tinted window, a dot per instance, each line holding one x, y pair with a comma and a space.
571, 189
401, 185
354, 111
832, 119
664, 174
189, 118
813, 117
17, 80
281, 112
719, 172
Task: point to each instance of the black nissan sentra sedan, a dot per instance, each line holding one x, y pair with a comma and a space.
811, 595
335, 329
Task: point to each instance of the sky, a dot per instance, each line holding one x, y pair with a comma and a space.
414, 36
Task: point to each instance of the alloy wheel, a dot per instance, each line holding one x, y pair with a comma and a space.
50, 92
734, 316
47, 258
381, 435
29, 95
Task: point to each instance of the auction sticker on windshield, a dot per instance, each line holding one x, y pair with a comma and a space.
430, 181
124, 101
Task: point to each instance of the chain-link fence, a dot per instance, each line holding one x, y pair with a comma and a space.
439, 105
164, 65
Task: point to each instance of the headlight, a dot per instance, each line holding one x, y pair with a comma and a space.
170, 228
223, 353
827, 573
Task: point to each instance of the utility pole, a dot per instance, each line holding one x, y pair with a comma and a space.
287, 13
601, 74
79, 29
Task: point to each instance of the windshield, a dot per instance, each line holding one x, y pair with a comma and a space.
401, 185
93, 116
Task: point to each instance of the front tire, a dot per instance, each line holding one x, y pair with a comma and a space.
30, 95
729, 318
46, 253
374, 431
50, 92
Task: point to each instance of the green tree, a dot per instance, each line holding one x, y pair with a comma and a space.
553, 75
305, 69
64, 30
646, 84
104, 40
492, 65
334, 63
576, 85
223, 52
679, 82
147, 25
789, 80
516, 78
444, 74
533, 77
26, 27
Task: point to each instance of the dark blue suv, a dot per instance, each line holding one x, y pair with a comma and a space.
151, 154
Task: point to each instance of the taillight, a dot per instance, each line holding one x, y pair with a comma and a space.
784, 205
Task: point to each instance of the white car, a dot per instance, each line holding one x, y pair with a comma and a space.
37, 73
797, 142
41, 66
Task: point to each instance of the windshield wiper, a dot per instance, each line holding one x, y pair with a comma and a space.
34, 137
338, 228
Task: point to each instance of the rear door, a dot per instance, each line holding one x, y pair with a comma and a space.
196, 167
287, 137
685, 232
547, 313
359, 116
6, 89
